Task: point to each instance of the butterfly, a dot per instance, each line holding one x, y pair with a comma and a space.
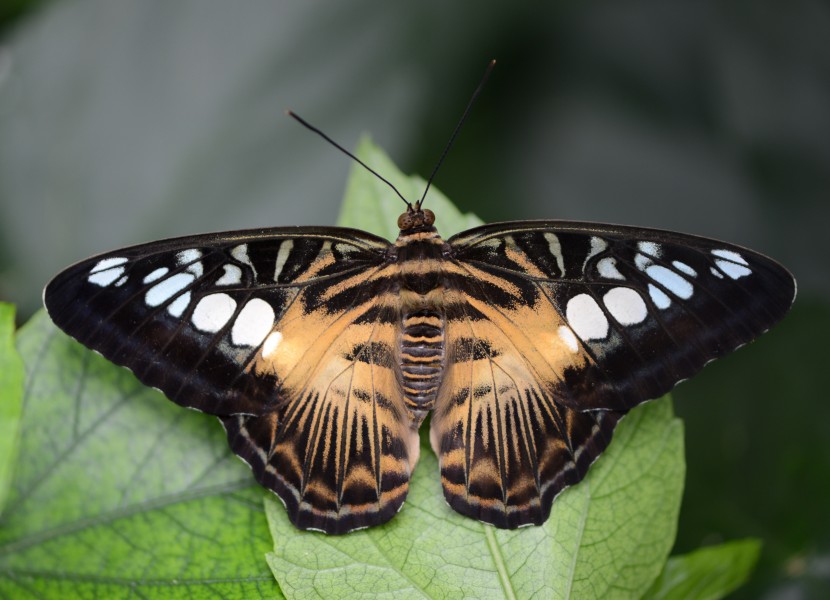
322, 349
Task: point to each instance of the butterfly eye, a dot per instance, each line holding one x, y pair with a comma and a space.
429, 217
405, 221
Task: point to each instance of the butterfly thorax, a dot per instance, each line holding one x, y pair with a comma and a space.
420, 255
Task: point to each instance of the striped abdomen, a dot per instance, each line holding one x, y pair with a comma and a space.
422, 359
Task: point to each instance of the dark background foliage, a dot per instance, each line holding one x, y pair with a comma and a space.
122, 122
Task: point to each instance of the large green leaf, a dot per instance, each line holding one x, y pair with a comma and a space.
11, 396
607, 537
706, 574
119, 493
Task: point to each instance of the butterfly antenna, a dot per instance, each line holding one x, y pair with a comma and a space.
311, 127
454, 135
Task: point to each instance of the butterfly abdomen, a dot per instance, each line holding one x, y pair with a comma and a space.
422, 359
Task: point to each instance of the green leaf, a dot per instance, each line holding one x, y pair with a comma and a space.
11, 398
371, 205
607, 537
708, 573
119, 493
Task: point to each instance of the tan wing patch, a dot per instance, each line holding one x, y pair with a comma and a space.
340, 447
506, 443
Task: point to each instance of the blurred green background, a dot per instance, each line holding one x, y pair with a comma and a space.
123, 122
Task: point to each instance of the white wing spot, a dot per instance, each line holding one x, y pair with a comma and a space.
271, 343
106, 271
240, 253
625, 305
670, 280
191, 259
681, 266
107, 263
597, 246
105, 278
213, 312
732, 263
253, 323
658, 297
170, 287
155, 275
586, 318
731, 255
650, 248
556, 250
733, 270
607, 268
282, 256
716, 273
231, 276
167, 288
569, 338
178, 306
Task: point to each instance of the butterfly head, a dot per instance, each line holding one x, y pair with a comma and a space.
416, 218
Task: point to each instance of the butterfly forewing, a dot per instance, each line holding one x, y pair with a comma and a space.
191, 316
638, 309
556, 329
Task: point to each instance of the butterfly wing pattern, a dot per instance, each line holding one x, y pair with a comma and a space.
280, 334
567, 327
322, 349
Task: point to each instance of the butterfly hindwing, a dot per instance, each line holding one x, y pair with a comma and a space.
506, 444
557, 329
340, 448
